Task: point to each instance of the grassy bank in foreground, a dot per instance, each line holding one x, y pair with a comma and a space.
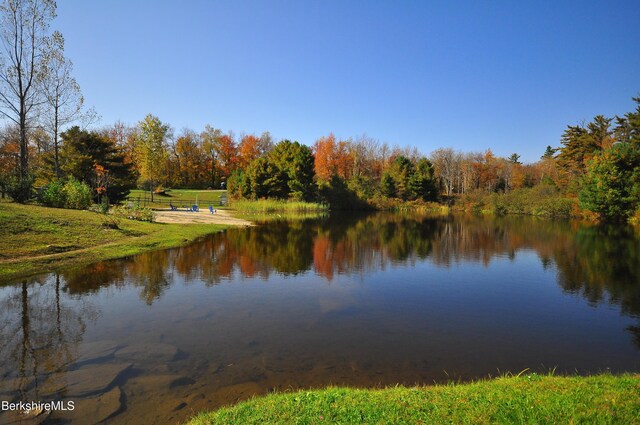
602, 399
37, 239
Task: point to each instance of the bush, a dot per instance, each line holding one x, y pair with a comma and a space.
134, 213
78, 194
19, 189
54, 194
103, 207
541, 200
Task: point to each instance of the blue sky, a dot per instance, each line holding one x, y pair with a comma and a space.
505, 75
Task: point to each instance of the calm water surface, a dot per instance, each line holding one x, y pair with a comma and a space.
362, 301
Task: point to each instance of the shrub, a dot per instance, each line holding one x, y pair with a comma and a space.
103, 207
54, 194
134, 213
78, 194
19, 189
542, 200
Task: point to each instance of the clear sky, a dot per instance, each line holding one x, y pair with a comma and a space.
505, 75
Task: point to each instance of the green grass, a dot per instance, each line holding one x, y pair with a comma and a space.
264, 210
36, 239
530, 399
272, 205
178, 197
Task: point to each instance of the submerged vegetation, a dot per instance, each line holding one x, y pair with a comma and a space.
532, 398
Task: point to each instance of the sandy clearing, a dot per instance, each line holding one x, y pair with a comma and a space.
200, 217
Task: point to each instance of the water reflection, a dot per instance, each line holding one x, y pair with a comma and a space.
355, 300
40, 333
601, 263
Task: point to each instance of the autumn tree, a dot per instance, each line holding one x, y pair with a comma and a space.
24, 27
249, 149
191, 159
332, 158
227, 155
210, 139
323, 151
151, 152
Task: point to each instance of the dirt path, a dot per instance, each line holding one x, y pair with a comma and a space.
201, 217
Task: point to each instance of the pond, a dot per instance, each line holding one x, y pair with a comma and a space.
364, 301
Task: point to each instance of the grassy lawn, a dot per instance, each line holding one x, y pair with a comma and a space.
178, 197
36, 239
531, 399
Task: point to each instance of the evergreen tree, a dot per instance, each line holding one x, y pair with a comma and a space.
581, 143
266, 180
402, 171
514, 158
423, 184
611, 186
82, 151
296, 162
548, 153
387, 186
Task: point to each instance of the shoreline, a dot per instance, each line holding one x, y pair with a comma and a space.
530, 398
38, 240
222, 217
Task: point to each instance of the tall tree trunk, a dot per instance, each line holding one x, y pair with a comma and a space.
55, 142
24, 144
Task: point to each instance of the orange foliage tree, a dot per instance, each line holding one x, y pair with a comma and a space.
332, 158
248, 150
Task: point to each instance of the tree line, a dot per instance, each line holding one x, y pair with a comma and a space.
596, 163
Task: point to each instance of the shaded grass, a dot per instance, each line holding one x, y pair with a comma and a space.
535, 399
36, 239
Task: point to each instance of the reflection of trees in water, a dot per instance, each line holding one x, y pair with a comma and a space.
40, 332
604, 267
602, 263
150, 271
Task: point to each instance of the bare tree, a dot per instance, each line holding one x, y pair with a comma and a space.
446, 163
63, 99
23, 30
